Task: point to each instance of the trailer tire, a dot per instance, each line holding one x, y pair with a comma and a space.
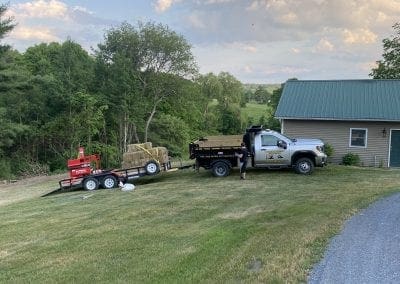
90, 183
220, 169
152, 168
109, 182
304, 166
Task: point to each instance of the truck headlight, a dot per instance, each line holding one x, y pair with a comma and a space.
320, 148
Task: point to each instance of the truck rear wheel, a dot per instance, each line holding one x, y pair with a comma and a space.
109, 182
220, 169
304, 166
90, 183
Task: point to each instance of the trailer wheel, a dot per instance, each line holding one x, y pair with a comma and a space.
304, 166
109, 182
90, 184
152, 168
220, 169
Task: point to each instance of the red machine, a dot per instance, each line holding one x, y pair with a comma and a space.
83, 165
85, 172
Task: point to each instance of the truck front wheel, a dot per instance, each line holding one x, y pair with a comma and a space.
220, 169
304, 166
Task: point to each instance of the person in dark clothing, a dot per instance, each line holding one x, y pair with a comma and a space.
243, 160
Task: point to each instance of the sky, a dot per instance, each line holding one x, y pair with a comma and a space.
257, 41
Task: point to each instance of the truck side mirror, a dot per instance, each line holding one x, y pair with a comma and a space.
281, 144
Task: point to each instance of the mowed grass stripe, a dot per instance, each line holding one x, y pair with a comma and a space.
187, 226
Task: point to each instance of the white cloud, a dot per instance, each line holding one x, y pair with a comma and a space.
40, 9
247, 69
367, 66
289, 71
163, 5
249, 48
295, 50
196, 21
324, 45
218, 1
289, 18
53, 20
251, 38
82, 9
359, 36
38, 33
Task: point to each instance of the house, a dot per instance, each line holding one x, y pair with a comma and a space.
353, 116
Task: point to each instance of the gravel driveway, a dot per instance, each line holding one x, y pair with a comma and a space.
367, 250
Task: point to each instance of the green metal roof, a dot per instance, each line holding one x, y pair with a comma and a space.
341, 100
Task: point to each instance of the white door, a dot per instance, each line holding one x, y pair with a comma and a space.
267, 152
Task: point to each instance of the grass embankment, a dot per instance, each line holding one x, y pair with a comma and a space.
186, 227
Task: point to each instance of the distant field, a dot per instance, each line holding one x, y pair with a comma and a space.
269, 87
182, 227
255, 111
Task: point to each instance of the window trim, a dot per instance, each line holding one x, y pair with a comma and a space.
366, 137
263, 135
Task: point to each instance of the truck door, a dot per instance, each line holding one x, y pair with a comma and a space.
268, 153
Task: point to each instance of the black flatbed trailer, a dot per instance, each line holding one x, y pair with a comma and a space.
110, 178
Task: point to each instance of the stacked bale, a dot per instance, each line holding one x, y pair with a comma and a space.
138, 155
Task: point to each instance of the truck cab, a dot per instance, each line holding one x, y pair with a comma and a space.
272, 149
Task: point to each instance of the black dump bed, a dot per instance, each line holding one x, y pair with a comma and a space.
215, 146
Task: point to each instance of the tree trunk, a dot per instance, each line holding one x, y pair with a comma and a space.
125, 134
134, 133
152, 113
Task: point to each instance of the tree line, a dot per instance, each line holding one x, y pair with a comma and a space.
140, 84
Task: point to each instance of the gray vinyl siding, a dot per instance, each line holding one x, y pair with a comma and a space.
337, 134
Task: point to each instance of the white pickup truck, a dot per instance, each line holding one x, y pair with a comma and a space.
267, 149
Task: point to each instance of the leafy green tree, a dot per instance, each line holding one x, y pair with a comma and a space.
61, 74
230, 120
171, 132
261, 95
232, 89
187, 105
272, 122
164, 55
152, 59
211, 88
6, 25
9, 131
389, 67
14, 83
87, 117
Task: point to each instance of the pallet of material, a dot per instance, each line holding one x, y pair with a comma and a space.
138, 155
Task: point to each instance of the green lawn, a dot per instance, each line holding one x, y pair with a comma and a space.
184, 227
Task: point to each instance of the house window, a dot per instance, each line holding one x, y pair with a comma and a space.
358, 137
268, 140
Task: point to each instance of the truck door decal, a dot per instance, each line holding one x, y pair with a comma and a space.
274, 155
